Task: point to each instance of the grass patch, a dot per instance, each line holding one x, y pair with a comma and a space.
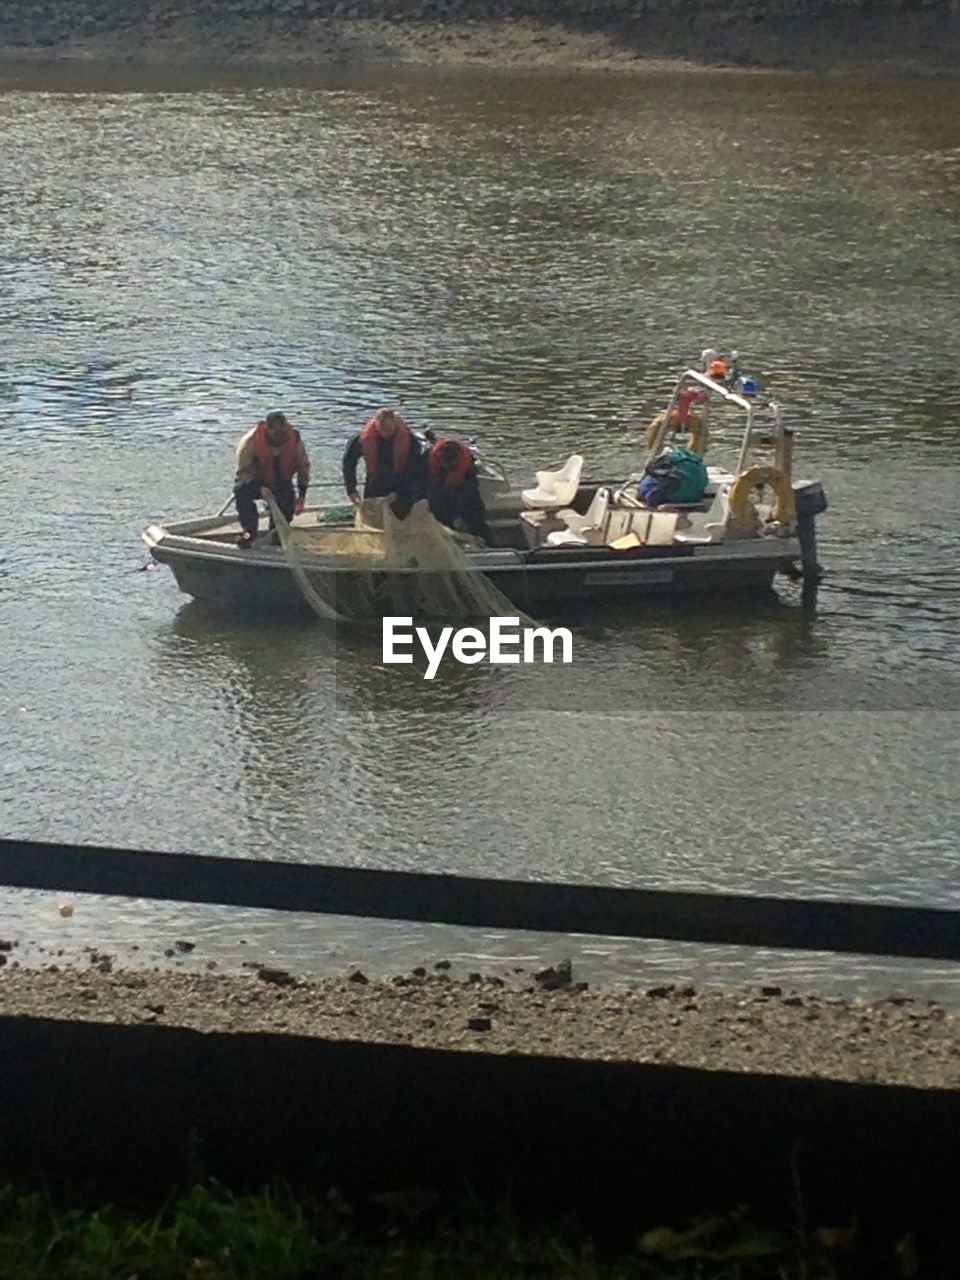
211, 1233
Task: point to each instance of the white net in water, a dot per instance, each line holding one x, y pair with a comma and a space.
316, 601
384, 565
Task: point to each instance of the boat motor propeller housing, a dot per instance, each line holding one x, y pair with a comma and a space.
811, 501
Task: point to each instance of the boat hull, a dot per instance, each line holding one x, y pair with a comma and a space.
262, 581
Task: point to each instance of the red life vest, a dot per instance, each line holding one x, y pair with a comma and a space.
287, 454
370, 446
454, 478
685, 400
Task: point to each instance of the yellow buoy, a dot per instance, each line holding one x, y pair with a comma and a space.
784, 508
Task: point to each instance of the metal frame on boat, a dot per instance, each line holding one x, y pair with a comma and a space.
597, 541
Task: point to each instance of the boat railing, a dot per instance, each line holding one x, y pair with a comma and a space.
726, 394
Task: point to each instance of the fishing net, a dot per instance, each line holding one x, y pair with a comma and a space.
387, 566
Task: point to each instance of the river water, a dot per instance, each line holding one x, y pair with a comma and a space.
532, 259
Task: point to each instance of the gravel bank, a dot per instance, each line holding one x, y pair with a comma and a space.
763, 1030
923, 38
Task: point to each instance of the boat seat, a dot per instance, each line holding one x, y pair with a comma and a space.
538, 525
556, 488
706, 527
697, 539
583, 529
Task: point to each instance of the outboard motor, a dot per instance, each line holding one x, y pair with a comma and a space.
811, 501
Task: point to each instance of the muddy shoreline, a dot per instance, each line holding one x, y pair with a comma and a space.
766, 1029
303, 37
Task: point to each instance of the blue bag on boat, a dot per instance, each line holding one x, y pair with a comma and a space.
678, 475
652, 492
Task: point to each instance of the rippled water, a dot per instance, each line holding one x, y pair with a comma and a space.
531, 259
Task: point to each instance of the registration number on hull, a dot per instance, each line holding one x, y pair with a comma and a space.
628, 577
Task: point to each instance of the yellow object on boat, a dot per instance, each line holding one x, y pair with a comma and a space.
627, 542
694, 422
784, 508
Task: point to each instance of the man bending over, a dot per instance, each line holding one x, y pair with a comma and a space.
268, 459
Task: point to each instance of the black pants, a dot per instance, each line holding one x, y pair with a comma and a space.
246, 495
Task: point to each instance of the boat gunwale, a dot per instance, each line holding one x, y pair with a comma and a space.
171, 545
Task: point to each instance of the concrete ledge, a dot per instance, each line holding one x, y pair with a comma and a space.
135, 1109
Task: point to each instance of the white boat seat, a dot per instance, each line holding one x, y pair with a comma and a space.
566, 538
556, 488
538, 525
583, 529
706, 528
697, 539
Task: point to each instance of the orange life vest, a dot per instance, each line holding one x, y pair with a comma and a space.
370, 446
286, 454
453, 478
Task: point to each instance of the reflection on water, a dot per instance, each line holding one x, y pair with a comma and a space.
530, 260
